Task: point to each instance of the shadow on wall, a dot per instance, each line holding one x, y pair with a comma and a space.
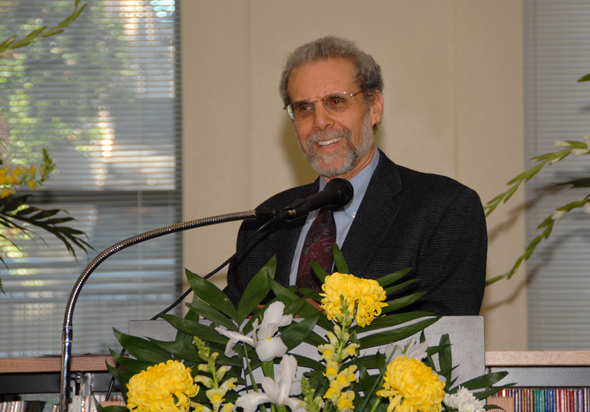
302, 171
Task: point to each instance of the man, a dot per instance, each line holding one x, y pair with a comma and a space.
398, 217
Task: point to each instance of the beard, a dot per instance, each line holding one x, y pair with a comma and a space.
347, 157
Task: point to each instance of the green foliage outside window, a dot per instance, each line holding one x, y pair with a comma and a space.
17, 218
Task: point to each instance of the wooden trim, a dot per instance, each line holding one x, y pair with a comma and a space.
538, 358
51, 364
492, 359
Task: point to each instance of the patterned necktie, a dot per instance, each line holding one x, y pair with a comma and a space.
318, 246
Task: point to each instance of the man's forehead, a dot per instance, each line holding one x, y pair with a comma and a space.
322, 77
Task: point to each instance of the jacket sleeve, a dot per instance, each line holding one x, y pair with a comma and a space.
452, 267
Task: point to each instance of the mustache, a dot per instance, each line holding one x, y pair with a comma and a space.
328, 134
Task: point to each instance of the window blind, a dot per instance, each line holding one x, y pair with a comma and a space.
104, 99
557, 51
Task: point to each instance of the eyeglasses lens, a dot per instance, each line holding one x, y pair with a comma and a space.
337, 102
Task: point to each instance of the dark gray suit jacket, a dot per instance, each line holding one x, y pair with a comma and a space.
406, 219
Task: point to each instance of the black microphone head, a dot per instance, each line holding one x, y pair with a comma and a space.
344, 190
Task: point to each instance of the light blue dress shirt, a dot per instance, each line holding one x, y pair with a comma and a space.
343, 216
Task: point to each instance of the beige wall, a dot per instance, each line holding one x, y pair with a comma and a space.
453, 93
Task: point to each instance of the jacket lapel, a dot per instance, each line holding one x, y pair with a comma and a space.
375, 216
287, 242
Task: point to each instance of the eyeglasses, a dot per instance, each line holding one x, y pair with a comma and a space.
335, 103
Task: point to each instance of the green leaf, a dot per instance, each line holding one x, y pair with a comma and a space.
180, 335
341, 265
319, 271
211, 294
179, 350
7, 42
387, 280
390, 320
492, 391
402, 302
380, 361
484, 381
397, 287
395, 335
142, 349
445, 357
305, 362
365, 379
209, 312
255, 293
295, 307
112, 408
315, 339
121, 375
584, 78
132, 365
296, 332
288, 297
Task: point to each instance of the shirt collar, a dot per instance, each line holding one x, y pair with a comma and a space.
360, 183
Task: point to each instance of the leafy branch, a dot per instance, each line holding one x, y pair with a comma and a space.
13, 43
574, 148
15, 208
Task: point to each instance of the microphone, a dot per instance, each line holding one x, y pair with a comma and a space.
338, 192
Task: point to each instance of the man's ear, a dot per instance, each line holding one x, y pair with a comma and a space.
376, 110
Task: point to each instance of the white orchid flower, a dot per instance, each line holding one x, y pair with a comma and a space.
276, 391
464, 401
411, 350
263, 340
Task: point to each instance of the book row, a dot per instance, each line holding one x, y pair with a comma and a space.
547, 400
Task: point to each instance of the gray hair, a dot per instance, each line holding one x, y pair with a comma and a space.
368, 72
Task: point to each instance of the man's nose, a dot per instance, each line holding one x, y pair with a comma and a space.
322, 118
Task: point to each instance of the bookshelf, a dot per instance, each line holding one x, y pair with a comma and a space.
42, 375
542, 369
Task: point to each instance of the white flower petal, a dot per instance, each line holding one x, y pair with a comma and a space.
273, 313
418, 352
251, 400
272, 389
294, 404
464, 401
586, 207
413, 351
234, 337
392, 352
267, 331
269, 348
276, 391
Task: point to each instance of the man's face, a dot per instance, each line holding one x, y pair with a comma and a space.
336, 144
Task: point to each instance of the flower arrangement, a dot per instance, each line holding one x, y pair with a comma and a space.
246, 358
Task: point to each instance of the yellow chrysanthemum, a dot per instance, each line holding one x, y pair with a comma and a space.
411, 386
155, 389
366, 292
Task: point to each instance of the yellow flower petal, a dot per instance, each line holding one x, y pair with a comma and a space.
157, 387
